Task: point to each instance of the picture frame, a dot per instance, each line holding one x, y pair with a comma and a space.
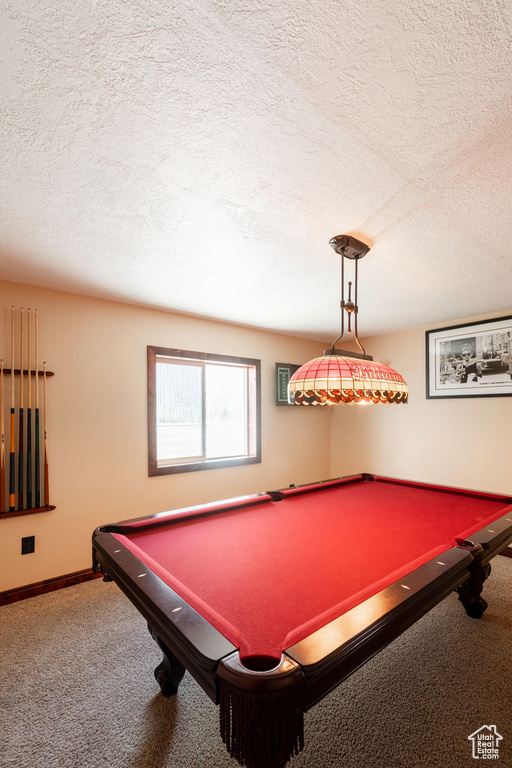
470, 359
284, 372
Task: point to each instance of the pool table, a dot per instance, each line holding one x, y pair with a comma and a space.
271, 600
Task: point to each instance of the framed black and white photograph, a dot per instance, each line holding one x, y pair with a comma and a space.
470, 360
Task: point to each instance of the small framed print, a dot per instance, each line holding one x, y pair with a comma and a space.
284, 372
470, 360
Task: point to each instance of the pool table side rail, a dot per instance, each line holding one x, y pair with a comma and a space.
475, 494
494, 537
183, 514
332, 653
217, 507
367, 477
195, 642
203, 510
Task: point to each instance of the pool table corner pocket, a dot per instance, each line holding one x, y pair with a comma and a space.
261, 702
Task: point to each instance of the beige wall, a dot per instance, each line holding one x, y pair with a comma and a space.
461, 442
97, 424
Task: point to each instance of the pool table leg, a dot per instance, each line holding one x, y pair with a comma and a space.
170, 671
470, 592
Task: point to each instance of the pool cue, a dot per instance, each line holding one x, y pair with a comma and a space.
29, 422
2, 444
46, 486
37, 458
12, 469
20, 433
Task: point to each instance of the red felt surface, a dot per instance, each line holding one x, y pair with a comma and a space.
268, 575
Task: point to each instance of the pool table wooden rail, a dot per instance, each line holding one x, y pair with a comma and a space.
195, 643
332, 653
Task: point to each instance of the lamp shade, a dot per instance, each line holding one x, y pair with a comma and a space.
334, 379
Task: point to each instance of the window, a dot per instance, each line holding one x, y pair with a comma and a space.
203, 411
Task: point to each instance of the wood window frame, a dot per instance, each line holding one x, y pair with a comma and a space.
254, 420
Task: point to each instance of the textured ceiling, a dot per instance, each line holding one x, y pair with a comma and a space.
199, 155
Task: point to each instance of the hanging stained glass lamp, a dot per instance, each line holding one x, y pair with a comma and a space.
341, 376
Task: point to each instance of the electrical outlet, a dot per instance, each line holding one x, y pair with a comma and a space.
28, 545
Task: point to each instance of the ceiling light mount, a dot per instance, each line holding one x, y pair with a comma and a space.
340, 376
348, 246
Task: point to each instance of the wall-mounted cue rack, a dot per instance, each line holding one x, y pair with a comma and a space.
25, 489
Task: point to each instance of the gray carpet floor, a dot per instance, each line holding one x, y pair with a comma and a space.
77, 689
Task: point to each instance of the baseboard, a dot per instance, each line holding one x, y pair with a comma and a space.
507, 552
50, 585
